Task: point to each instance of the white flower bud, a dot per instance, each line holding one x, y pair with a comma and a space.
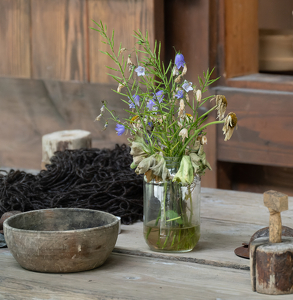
198, 95
184, 133
120, 86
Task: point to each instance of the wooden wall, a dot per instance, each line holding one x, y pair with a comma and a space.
52, 75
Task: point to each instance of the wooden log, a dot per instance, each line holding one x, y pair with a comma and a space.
271, 266
61, 140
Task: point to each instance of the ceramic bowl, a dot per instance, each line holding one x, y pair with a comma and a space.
61, 240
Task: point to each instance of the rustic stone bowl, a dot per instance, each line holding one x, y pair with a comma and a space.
61, 240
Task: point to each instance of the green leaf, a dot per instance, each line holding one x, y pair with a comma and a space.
173, 216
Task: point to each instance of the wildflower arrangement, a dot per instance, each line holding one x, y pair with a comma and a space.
163, 108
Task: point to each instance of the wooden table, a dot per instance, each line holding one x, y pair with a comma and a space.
210, 271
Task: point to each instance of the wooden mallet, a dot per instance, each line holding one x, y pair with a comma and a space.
271, 259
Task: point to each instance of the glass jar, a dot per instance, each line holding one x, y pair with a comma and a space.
171, 213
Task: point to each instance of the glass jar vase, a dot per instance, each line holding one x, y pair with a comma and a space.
171, 213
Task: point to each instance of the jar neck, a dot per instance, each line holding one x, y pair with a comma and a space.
172, 164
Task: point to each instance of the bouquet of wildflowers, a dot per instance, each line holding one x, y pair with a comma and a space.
163, 108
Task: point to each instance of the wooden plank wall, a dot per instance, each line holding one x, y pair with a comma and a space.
15, 55
59, 39
50, 44
241, 37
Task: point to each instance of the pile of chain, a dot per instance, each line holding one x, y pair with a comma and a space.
85, 178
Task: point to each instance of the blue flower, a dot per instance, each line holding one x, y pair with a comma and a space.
187, 86
140, 71
151, 104
120, 129
179, 60
136, 99
179, 94
131, 105
160, 95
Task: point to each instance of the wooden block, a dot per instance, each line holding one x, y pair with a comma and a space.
271, 266
276, 201
15, 38
59, 43
124, 17
62, 140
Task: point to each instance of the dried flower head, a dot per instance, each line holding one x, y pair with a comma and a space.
182, 104
229, 125
181, 108
120, 86
98, 118
175, 71
178, 78
184, 70
204, 140
122, 50
198, 95
221, 104
184, 133
130, 64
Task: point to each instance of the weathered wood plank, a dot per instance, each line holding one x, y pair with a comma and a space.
265, 128
59, 39
15, 38
263, 81
241, 37
31, 108
124, 17
227, 220
127, 277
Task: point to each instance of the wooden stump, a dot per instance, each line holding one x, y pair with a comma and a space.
62, 140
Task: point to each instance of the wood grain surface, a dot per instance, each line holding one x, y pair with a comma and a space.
265, 130
15, 38
124, 17
241, 37
59, 37
31, 108
227, 218
127, 277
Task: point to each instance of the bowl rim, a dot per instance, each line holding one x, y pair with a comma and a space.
6, 226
